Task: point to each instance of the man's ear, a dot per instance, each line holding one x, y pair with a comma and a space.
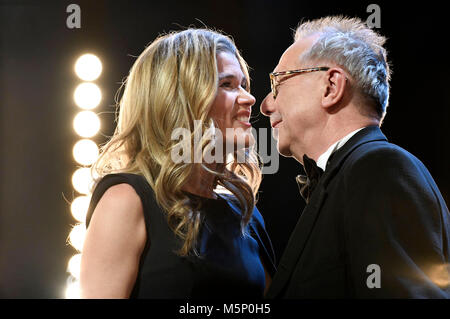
335, 83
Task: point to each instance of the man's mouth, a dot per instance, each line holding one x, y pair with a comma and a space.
274, 124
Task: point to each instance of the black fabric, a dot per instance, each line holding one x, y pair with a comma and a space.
375, 204
229, 264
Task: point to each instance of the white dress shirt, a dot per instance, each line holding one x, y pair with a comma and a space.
323, 159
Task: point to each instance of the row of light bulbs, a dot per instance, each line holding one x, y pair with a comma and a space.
86, 124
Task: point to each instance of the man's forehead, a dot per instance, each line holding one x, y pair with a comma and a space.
290, 58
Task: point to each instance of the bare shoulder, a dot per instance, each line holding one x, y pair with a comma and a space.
120, 200
121, 194
119, 215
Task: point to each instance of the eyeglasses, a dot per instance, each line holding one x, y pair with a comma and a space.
274, 83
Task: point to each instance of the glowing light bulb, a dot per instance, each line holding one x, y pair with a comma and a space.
79, 208
76, 236
82, 180
86, 123
85, 152
87, 95
73, 290
88, 67
73, 265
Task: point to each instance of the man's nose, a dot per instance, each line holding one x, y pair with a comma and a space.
267, 106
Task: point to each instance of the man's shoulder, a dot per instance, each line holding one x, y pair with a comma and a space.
384, 170
378, 153
380, 161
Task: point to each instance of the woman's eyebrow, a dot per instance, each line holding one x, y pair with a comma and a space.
226, 76
230, 76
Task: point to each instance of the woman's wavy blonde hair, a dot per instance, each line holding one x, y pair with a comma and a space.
172, 84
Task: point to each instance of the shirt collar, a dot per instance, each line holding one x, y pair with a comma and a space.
322, 161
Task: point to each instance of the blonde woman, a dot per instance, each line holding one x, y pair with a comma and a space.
158, 227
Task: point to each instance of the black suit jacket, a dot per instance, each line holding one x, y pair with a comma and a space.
376, 204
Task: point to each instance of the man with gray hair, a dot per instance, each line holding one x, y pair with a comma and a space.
375, 224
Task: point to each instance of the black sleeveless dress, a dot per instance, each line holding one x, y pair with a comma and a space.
230, 263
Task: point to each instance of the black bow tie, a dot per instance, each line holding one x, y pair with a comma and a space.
306, 184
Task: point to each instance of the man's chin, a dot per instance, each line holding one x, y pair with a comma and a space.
284, 150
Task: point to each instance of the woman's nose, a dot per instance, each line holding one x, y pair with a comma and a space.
246, 98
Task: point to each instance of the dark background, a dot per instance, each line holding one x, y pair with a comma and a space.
37, 81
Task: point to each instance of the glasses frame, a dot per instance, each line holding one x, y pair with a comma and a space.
274, 84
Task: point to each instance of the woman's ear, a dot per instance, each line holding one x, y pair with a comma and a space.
335, 83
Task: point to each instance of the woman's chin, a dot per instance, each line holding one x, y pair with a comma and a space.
239, 142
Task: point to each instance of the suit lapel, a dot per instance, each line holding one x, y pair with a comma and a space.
309, 216
297, 242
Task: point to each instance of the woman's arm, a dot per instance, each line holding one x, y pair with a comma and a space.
114, 242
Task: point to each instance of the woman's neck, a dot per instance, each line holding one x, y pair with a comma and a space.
201, 182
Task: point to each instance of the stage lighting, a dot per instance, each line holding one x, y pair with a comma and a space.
74, 265
86, 123
88, 67
82, 180
85, 152
76, 236
87, 95
79, 208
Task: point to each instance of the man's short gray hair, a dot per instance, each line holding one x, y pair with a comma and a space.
358, 49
